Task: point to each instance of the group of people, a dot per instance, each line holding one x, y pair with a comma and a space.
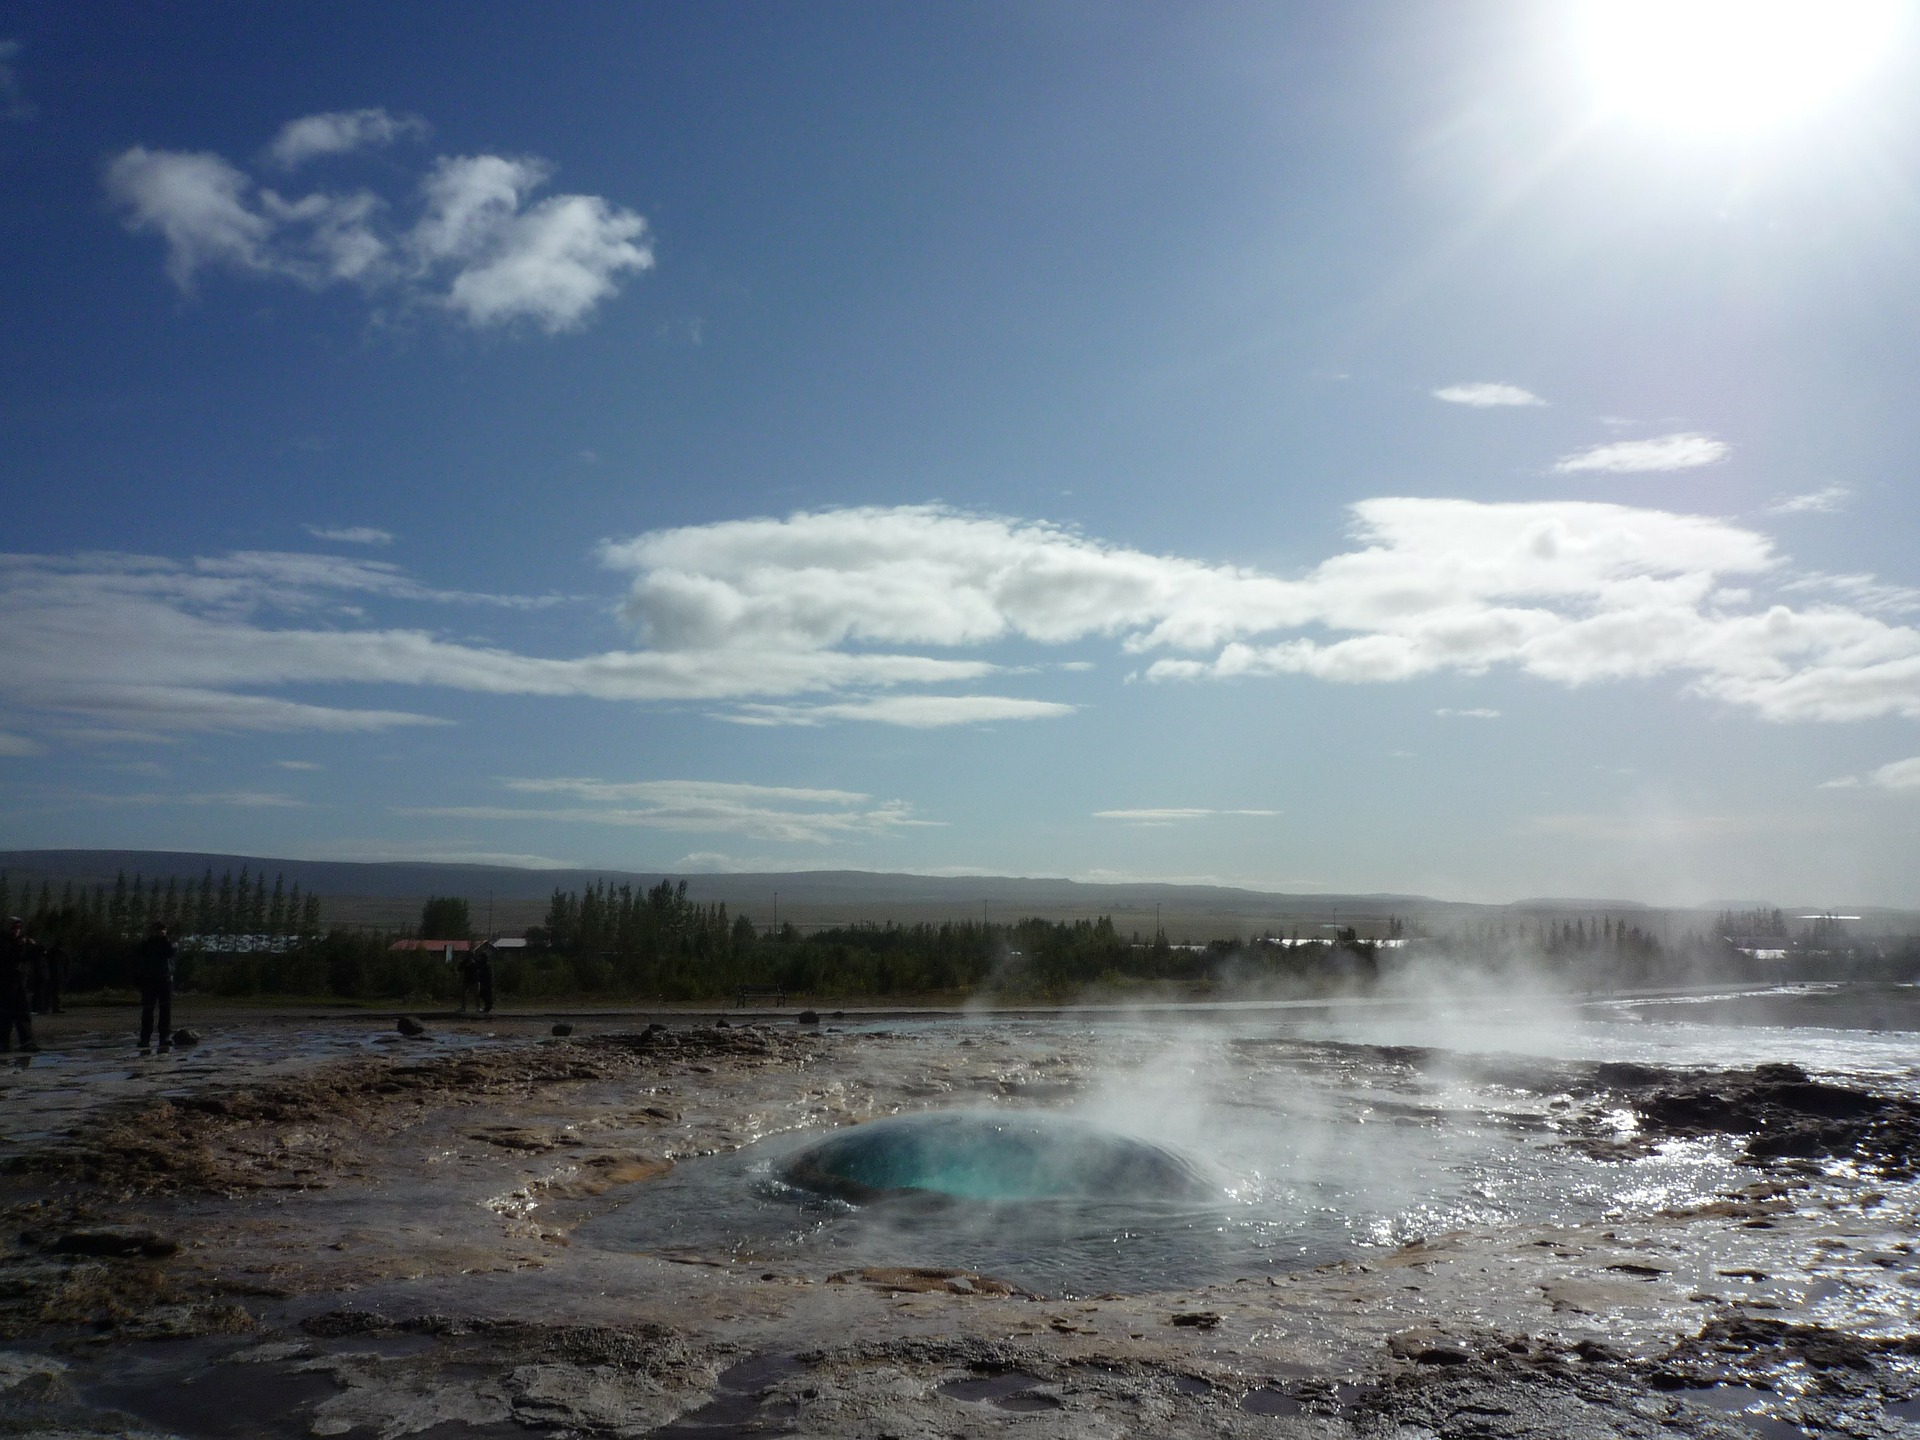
30, 978
31, 975
476, 980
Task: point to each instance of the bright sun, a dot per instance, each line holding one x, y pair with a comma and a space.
1730, 66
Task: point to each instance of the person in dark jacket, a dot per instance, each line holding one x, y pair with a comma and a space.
482, 960
153, 973
53, 979
17, 960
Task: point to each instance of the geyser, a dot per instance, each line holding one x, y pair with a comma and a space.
987, 1155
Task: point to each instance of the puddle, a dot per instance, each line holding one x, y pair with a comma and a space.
738, 1406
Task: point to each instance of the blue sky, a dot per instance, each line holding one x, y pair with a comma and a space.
1420, 447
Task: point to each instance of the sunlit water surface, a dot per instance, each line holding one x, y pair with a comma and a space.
1320, 1145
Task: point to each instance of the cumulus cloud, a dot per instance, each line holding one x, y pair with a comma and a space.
351, 534
480, 246
1486, 395
1572, 592
339, 132
760, 812
1686, 451
1824, 501
1172, 816
857, 615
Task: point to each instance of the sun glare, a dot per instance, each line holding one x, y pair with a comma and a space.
1730, 66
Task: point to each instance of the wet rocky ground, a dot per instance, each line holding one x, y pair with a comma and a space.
330, 1233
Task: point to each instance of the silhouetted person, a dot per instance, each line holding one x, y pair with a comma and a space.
469, 980
53, 979
482, 963
16, 967
153, 972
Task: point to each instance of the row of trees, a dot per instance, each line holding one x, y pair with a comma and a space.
226, 908
242, 936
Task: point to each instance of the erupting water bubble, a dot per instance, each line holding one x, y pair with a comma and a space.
988, 1155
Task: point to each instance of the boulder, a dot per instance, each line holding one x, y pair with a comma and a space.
410, 1027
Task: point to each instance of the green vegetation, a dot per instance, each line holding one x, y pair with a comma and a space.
241, 937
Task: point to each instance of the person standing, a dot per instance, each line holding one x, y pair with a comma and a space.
153, 972
482, 960
16, 966
53, 977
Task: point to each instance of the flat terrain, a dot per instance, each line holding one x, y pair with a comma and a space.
311, 1224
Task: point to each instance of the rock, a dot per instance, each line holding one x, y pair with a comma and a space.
1195, 1319
118, 1241
723, 1023
656, 1028
563, 1028
808, 1017
1426, 1347
184, 1036
410, 1027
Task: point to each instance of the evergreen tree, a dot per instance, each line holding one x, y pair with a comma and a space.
223, 906
277, 907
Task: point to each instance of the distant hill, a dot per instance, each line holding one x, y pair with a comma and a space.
389, 893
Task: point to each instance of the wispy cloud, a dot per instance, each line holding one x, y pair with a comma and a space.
1174, 816
1487, 395
1865, 592
1825, 501
240, 799
14, 104
919, 712
760, 812
340, 132
1686, 451
16, 746
1899, 775
478, 246
299, 764
351, 534
854, 615
1480, 713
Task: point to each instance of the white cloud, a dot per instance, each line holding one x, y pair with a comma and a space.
1816, 502
351, 534
299, 764
339, 132
1486, 394
480, 246
919, 712
1628, 457
18, 746
1476, 714
1572, 592
551, 264
1865, 592
760, 812
1900, 775
1172, 816
809, 619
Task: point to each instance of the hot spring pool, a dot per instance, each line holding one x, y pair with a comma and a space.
1314, 1138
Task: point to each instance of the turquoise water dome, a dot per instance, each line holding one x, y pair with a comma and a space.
990, 1155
